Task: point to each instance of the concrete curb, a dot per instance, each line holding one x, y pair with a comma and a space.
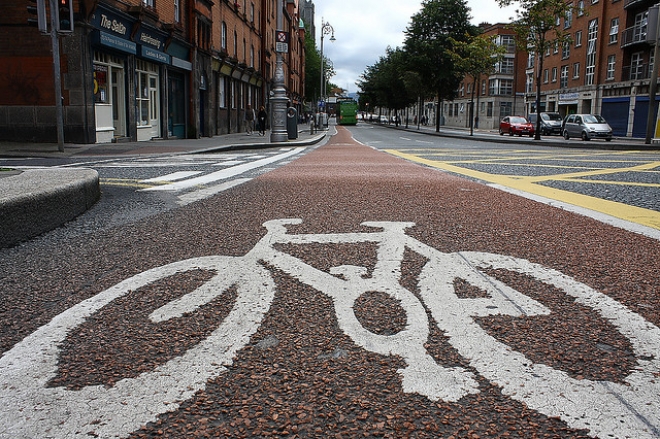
39, 200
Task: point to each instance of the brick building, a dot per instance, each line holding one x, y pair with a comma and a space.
497, 95
606, 70
144, 69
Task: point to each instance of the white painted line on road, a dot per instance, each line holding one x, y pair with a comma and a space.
174, 176
229, 163
191, 197
224, 173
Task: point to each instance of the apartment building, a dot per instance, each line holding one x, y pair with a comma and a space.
145, 69
605, 69
495, 96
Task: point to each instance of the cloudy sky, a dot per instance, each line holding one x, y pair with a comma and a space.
364, 29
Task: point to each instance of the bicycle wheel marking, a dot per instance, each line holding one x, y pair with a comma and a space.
29, 409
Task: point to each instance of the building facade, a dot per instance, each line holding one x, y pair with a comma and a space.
137, 70
605, 69
495, 96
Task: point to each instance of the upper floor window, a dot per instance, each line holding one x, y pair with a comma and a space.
614, 30
223, 36
578, 38
149, 3
568, 18
177, 11
580, 8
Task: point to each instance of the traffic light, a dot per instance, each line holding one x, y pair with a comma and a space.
65, 15
37, 14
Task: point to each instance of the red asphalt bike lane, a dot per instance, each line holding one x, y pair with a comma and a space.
312, 360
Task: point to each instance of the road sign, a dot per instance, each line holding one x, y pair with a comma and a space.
281, 41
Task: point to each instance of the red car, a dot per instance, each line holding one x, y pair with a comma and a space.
516, 125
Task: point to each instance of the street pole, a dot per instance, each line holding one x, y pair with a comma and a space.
279, 100
326, 29
650, 122
59, 109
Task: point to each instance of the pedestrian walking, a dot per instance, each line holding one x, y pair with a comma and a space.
261, 120
249, 119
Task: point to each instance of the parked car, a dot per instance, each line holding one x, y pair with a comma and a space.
587, 127
551, 123
516, 125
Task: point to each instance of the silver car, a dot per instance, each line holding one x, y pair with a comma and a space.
587, 127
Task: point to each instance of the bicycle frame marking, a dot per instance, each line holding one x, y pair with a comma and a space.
28, 408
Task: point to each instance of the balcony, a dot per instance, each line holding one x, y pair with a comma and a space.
636, 3
635, 35
636, 72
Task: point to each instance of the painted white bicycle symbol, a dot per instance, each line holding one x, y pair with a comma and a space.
28, 408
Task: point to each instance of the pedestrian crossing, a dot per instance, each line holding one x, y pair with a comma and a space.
205, 174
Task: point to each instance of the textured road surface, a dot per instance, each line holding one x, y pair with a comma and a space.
347, 294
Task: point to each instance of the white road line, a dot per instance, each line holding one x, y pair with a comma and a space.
229, 163
191, 197
174, 176
224, 173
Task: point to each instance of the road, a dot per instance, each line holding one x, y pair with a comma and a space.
347, 293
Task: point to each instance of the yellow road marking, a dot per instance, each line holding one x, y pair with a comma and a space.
646, 217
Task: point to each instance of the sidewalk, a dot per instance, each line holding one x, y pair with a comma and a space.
35, 201
205, 144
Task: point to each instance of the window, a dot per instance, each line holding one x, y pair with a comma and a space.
611, 65
203, 34
235, 44
580, 8
483, 87
563, 78
530, 61
578, 38
530, 82
223, 36
146, 81
222, 93
252, 12
252, 56
640, 28
565, 50
592, 37
546, 76
177, 11
554, 74
489, 109
149, 3
576, 70
506, 109
568, 18
555, 50
501, 87
506, 66
637, 66
614, 30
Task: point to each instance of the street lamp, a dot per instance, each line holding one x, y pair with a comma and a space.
326, 29
279, 100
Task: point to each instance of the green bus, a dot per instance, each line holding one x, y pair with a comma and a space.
347, 110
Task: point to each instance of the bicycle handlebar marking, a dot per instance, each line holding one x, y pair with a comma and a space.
28, 408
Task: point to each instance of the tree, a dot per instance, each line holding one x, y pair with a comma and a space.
313, 69
428, 44
383, 84
537, 28
477, 57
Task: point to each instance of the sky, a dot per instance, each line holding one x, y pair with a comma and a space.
364, 28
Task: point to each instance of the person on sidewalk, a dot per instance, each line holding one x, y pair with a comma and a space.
261, 120
249, 119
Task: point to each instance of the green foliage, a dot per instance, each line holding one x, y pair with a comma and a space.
430, 39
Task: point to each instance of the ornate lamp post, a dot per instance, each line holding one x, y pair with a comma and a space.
279, 100
326, 29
